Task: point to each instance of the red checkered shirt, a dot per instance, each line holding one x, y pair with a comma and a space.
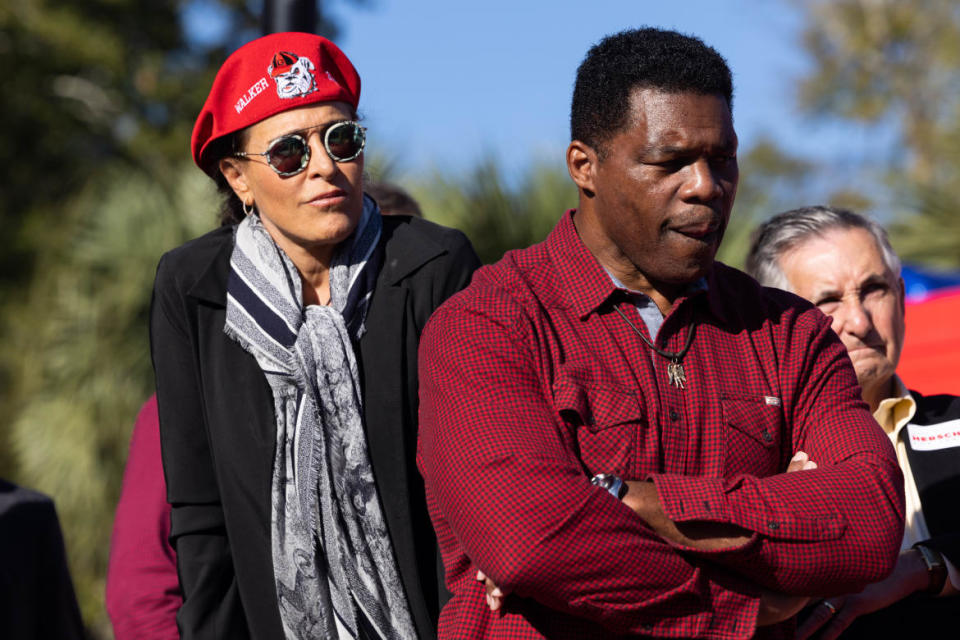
531, 383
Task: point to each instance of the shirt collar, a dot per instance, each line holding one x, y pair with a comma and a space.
895, 412
587, 285
695, 287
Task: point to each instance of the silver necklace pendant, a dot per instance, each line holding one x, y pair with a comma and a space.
676, 375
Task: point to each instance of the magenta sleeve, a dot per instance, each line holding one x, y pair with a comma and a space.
143, 592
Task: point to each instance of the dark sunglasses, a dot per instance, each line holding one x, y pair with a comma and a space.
289, 155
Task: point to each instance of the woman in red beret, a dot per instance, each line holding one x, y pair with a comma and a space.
284, 345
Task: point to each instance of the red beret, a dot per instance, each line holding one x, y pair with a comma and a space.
266, 76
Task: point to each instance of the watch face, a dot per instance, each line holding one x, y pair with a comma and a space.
611, 483
602, 480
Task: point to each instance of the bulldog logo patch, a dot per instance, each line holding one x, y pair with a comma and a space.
293, 74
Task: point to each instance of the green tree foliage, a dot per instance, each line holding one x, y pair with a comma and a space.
932, 235
98, 102
86, 83
83, 363
894, 62
495, 215
771, 181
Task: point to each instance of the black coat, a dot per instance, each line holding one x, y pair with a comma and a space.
218, 430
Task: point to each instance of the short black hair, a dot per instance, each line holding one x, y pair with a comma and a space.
646, 58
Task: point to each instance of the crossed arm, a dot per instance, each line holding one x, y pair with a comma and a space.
642, 498
485, 424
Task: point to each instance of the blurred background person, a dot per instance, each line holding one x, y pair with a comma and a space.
393, 199
143, 593
36, 593
843, 263
284, 346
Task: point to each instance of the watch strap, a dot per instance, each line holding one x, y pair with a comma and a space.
936, 568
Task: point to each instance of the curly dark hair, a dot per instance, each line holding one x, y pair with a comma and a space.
644, 58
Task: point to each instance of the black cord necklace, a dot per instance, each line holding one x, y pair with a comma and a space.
675, 373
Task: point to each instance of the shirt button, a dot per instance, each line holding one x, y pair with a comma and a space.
767, 437
774, 525
674, 415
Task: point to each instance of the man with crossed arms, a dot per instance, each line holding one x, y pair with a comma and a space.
607, 418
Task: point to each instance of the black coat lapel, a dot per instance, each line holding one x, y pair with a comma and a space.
237, 393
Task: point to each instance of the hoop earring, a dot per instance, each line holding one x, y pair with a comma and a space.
248, 211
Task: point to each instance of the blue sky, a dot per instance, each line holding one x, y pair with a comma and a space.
445, 82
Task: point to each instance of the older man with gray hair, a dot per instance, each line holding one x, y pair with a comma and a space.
843, 263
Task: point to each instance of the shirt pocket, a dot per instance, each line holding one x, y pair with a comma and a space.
605, 424
753, 433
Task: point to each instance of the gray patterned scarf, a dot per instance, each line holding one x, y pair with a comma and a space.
335, 570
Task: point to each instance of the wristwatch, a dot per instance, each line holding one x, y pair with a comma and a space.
936, 568
611, 483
